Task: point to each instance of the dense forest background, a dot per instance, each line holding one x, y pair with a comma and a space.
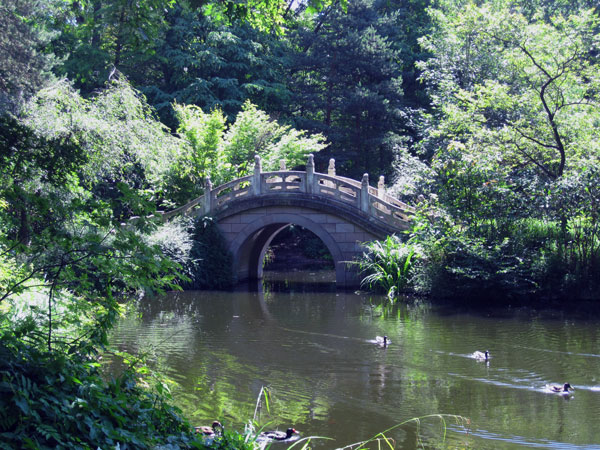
483, 115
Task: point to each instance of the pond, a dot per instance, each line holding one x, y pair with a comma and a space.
309, 345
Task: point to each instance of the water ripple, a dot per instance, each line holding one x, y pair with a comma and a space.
523, 441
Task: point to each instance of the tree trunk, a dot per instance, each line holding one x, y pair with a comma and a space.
119, 44
95, 43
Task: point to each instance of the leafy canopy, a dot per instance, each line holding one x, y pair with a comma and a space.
518, 92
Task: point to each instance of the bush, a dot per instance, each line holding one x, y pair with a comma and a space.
58, 400
473, 269
210, 265
387, 265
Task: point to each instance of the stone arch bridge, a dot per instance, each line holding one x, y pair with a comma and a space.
342, 212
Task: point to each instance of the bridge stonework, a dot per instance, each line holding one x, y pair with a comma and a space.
249, 234
343, 213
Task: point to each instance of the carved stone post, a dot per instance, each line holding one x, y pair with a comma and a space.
310, 174
364, 193
380, 187
331, 168
207, 196
331, 173
282, 164
256, 176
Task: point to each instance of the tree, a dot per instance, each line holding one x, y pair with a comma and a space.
66, 187
24, 63
99, 37
511, 139
347, 83
219, 153
116, 129
212, 66
524, 93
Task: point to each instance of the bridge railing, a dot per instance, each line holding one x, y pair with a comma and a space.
370, 200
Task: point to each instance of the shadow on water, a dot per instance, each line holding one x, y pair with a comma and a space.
292, 281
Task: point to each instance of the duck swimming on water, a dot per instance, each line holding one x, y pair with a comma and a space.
267, 436
564, 389
216, 428
382, 341
481, 356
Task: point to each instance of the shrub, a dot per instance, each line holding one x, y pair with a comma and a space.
58, 400
210, 265
387, 265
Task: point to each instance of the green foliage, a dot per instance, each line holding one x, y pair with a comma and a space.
347, 82
24, 64
51, 400
507, 193
116, 130
255, 133
62, 239
265, 16
222, 155
213, 66
521, 92
202, 156
527, 259
211, 264
228, 440
387, 265
101, 36
174, 240
470, 269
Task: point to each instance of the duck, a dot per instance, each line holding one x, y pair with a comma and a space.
276, 435
481, 356
382, 341
216, 428
564, 389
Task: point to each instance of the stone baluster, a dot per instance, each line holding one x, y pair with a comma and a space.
310, 174
256, 184
207, 196
381, 188
364, 193
331, 173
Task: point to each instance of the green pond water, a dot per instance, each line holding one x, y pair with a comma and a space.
309, 344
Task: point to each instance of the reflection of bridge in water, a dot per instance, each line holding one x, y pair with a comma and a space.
342, 212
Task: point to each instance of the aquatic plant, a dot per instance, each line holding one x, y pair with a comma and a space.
383, 439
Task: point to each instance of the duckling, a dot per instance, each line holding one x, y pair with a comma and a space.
564, 389
267, 436
216, 428
382, 341
481, 356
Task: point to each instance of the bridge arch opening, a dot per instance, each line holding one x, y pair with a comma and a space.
295, 249
251, 245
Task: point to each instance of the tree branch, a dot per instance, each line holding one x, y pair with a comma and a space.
46, 268
534, 140
535, 162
